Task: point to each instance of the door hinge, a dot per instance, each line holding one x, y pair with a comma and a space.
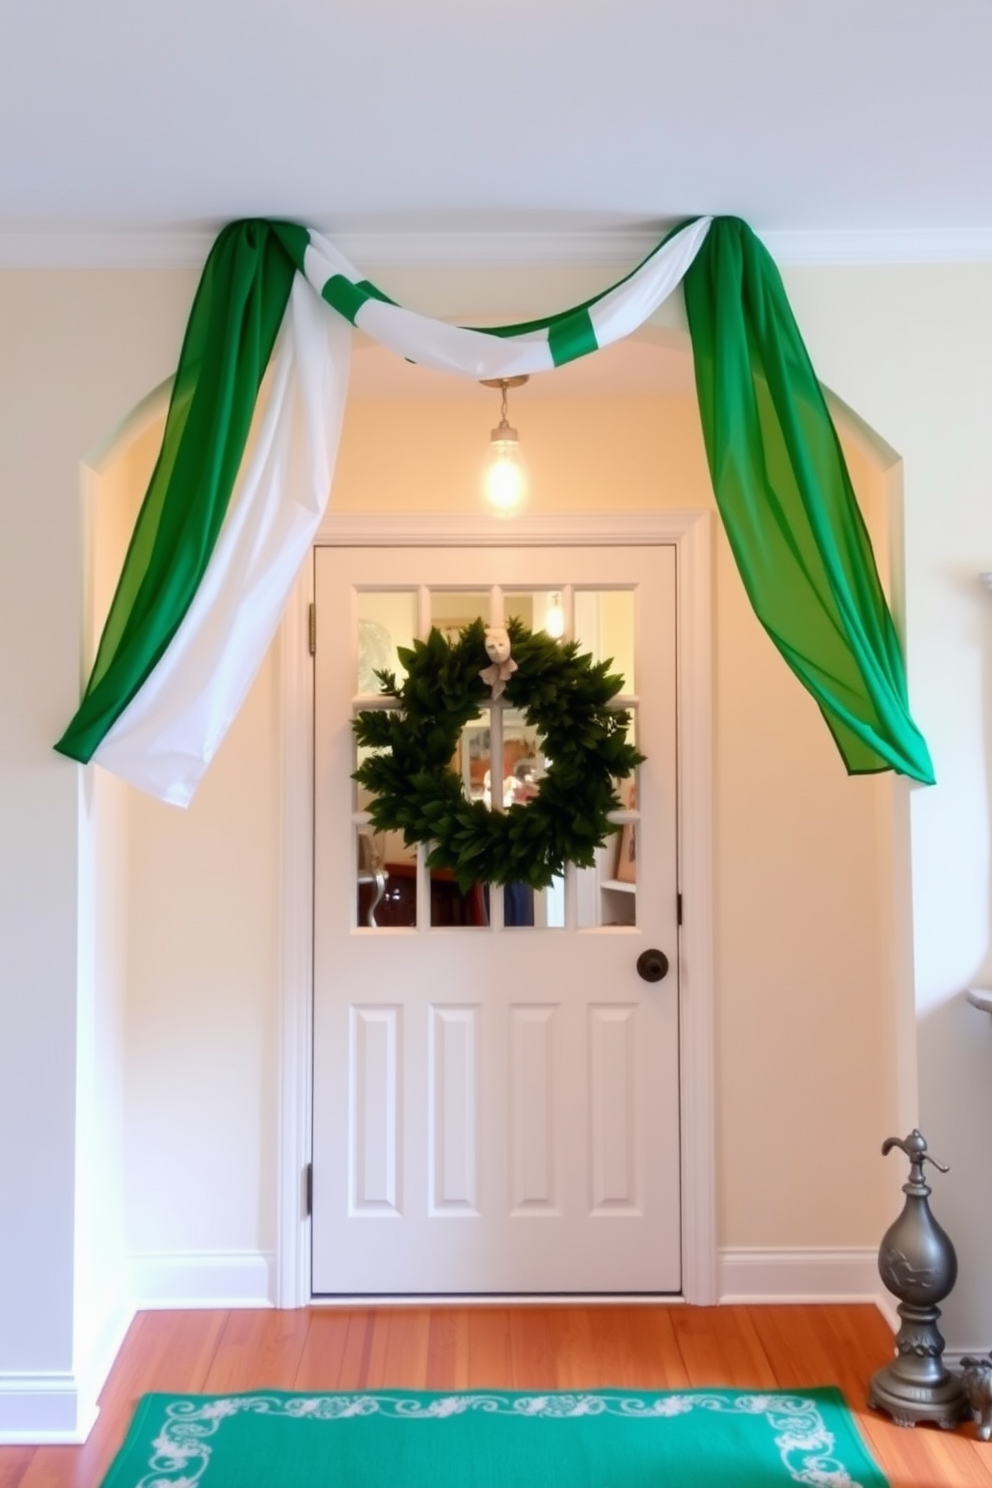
678, 909
312, 630
308, 1187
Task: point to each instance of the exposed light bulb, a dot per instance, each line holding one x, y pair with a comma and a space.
505, 481
554, 620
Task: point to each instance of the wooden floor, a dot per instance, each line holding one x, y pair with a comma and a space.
516, 1348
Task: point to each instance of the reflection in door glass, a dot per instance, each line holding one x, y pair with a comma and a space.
387, 619
603, 897
542, 909
627, 789
538, 609
449, 906
604, 626
607, 893
524, 763
472, 759
387, 880
523, 907
453, 609
523, 767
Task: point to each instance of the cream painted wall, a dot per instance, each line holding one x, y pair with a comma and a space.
76, 352
911, 349
801, 1111
110, 495
202, 1030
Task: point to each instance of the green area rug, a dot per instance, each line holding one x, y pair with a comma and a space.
494, 1439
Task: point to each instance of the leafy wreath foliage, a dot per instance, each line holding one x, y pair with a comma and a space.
563, 695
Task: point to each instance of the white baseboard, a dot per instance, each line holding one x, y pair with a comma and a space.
45, 1409
92, 1371
50, 1408
842, 1275
202, 1278
61, 1408
55, 1408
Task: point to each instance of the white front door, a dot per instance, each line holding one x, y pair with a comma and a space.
496, 1101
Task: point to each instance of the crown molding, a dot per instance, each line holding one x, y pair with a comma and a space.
923, 245
120, 250
621, 246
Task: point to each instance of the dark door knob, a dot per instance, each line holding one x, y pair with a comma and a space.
652, 965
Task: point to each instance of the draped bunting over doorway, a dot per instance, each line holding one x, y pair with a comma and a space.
246, 467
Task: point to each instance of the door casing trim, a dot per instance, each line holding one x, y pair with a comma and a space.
690, 532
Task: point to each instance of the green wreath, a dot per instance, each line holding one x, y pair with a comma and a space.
414, 789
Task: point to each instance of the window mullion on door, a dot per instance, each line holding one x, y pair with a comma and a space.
423, 872
496, 800
423, 612
497, 617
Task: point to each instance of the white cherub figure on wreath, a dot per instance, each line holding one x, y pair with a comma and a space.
502, 665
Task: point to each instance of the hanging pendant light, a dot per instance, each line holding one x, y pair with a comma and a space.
505, 479
554, 618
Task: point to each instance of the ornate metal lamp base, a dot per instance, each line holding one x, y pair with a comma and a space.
916, 1261
913, 1390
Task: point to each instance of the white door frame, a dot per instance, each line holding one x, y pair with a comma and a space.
691, 534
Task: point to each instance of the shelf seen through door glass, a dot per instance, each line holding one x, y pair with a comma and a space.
606, 894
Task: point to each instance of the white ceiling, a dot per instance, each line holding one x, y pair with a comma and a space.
527, 117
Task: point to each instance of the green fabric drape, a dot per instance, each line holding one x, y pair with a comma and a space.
236, 315
788, 505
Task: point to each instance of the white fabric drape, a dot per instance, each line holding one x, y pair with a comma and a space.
170, 731
472, 353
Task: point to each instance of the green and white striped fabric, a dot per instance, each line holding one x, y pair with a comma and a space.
248, 461
536, 346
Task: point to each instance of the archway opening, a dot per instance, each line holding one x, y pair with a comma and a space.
813, 926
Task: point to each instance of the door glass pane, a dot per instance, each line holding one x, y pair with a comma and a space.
618, 907
604, 626
472, 762
539, 909
626, 789
607, 893
473, 757
386, 867
453, 609
387, 880
621, 862
449, 906
618, 857
524, 766
524, 760
538, 609
387, 619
